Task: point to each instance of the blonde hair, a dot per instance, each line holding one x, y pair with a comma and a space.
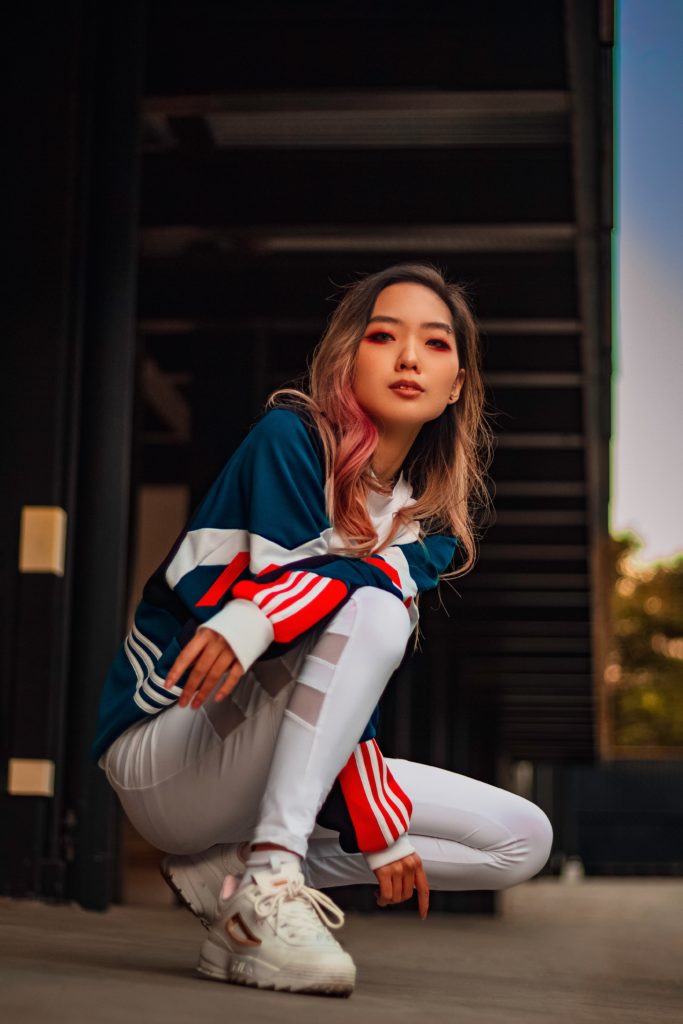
448, 461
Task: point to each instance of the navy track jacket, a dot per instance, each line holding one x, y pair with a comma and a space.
256, 563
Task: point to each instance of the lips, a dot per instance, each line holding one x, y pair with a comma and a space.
406, 385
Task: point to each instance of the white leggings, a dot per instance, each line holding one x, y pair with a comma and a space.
259, 765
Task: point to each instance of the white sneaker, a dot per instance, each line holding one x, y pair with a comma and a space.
197, 878
273, 933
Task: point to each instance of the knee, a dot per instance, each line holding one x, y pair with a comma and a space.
385, 621
537, 834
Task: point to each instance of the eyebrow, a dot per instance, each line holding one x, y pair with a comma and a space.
394, 320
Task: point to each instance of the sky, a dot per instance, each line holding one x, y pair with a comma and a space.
647, 451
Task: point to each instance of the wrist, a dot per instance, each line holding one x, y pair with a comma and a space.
401, 848
245, 627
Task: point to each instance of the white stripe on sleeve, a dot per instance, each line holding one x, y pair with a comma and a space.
383, 827
383, 787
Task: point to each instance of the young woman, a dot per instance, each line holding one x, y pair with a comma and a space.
238, 720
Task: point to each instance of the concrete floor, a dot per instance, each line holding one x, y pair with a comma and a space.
567, 953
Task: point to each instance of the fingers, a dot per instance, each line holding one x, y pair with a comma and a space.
189, 652
396, 881
211, 657
400, 879
386, 889
422, 886
199, 670
397, 886
408, 886
210, 668
231, 681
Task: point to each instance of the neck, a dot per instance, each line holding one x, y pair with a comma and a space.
390, 453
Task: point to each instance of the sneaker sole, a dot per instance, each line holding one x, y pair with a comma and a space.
220, 965
177, 880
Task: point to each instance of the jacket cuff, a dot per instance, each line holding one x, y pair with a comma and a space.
246, 628
401, 848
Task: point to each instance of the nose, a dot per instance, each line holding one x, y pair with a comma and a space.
407, 356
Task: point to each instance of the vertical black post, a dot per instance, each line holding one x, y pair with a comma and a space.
46, 212
104, 454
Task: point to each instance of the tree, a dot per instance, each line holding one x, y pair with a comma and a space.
644, 674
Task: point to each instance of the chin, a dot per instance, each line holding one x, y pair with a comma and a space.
410, 417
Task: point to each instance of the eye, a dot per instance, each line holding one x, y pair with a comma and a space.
440, 342
377, 335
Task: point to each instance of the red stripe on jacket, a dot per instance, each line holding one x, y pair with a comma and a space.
393, 791
297, 621
368, 833
386, 568
221, 586
376, 789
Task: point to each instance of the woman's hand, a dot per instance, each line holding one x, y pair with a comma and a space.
398, 880
212, 655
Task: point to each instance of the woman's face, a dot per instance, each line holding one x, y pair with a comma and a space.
409, 337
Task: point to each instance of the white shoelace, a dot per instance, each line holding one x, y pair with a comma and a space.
309, 908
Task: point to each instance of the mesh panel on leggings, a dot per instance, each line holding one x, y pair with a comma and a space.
330, 646
306, 703
309, 692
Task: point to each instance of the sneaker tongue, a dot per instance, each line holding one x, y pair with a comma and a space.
276, 874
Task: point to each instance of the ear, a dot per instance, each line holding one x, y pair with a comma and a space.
457, 387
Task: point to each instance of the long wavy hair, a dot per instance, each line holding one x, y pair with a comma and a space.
448, 461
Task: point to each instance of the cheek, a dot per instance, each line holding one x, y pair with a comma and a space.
358, 381
446, 367
365, 368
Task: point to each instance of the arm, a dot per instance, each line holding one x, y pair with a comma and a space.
418, 566
254, 564
319, 585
